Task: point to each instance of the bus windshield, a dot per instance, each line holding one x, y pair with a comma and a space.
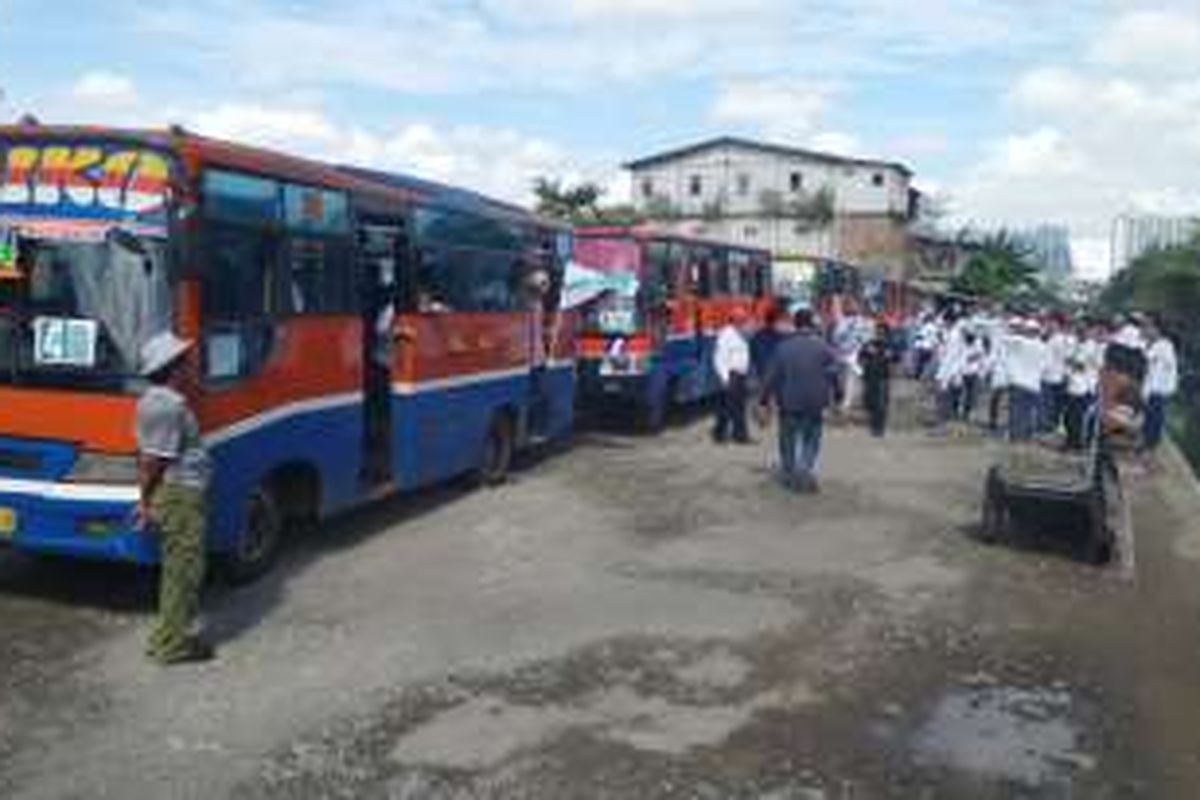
77, 312
612, 313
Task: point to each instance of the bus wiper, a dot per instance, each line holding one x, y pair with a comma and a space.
126, 240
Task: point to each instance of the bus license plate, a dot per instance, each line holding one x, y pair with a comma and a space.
8, 522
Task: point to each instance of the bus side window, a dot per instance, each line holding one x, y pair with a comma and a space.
243, 265
657, 274
431, 269
681, 277
319, 276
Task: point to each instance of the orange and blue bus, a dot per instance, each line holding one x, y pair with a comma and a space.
651, 347
358, 333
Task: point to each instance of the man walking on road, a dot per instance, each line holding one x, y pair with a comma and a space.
1162, 381
172, 478
731, 361
797, 382
875, 358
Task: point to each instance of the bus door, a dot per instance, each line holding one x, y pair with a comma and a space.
382, 247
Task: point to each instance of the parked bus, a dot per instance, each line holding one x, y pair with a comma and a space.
357, 333
652, 347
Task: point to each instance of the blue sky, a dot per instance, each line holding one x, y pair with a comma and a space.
1012, 111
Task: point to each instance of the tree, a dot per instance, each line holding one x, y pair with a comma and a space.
580, 204
998, 269
570, 203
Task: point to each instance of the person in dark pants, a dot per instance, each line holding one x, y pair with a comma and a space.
764, 342
731, 362
875, 358
797, 383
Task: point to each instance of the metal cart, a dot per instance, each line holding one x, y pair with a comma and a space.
1030, 480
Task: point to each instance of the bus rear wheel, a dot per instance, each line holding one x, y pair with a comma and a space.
258, 546
496, 459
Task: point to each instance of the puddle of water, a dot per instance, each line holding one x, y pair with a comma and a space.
1026, 736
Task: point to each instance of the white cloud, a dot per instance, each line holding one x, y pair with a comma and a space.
498, 161
1039, 154
1107, 134
777, 109
501, 162
622, 10
105, 88
836, 142
1156, 40
435, 46
1050, 89
285, 128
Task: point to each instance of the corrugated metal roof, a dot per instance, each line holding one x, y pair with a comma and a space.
763, 147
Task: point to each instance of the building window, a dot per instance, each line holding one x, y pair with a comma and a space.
877, 179
795, 181
647, 188
750, 232
743, 184
695, 187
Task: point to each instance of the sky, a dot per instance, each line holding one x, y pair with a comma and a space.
1011, 112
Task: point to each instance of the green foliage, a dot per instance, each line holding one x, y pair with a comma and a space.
565, 202
998, 269
580, 204
817, 208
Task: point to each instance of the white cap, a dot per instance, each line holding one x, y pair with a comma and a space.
161, 351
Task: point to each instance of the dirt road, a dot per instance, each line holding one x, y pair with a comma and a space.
637, 618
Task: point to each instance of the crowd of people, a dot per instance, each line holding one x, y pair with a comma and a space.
1024, 376
1045, 369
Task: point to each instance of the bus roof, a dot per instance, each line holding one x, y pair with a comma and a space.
197, 149
450, 197
647, 231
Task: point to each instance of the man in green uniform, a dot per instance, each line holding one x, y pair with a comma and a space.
172, 478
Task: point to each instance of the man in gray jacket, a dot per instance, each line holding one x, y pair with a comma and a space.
797, 383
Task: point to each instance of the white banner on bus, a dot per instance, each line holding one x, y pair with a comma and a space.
582, 284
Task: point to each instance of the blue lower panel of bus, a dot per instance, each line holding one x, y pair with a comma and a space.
437, 433
684, 364
73, 526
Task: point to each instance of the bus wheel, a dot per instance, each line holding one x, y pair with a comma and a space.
258, 546
497, 455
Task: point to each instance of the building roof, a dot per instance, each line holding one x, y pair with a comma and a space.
763, 147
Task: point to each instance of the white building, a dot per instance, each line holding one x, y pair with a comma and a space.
1133, 236
797, 203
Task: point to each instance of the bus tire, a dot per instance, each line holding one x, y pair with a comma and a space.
258, 547
495, 460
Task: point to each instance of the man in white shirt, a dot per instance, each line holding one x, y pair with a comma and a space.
951, 372
925, 342
1083, 381
731, 362
1059, 345
1162, 381
1024, 365
1129, 334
